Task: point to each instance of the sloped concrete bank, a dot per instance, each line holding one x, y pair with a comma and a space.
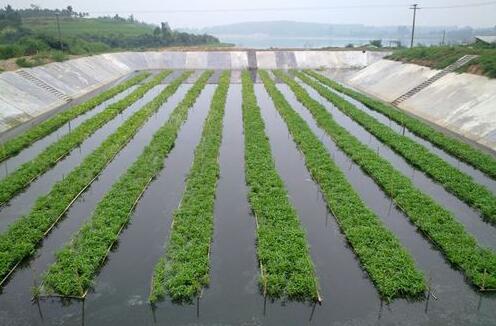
29, 93
464, 104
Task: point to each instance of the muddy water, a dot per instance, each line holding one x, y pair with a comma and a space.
469, 217
15, 306
22, 203
11, 164
477, 175
456, 303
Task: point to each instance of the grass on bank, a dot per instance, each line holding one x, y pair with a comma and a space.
440, 57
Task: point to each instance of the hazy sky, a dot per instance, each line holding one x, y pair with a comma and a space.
372, 12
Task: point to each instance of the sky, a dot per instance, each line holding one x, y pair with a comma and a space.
191, 13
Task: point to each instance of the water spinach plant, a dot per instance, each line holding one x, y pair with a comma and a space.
18, 143
389, 265
21, 238
184, 270
282, 249
29, 171
79, 261
478, 159
436, 223
452, 179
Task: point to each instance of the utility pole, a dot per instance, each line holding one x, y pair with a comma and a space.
414, 7
444, 36
60, 35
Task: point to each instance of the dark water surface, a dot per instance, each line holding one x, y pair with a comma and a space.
457, 302
120, 291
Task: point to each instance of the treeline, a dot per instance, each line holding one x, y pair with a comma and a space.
17, 39
37, 11
162, 36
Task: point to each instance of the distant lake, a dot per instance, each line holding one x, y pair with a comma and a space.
261, 41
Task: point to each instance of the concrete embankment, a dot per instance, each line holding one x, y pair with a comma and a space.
29, 93
464, 104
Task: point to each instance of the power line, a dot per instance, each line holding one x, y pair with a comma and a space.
479, 4
222, 10
304, 8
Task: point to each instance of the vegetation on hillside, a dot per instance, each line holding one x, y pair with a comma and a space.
34, 32
440, 57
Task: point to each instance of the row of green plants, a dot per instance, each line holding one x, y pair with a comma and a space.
15, 145
22, 237
452, 179
282, 249
29, 171
478, 159
388, 264
184, 270
79, 261
435, 222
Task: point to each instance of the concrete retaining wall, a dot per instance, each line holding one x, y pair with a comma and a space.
21, 100
462, 103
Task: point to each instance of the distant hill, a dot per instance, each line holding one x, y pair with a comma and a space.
307, 29
279, 28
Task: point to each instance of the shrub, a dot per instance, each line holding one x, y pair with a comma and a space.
10, 51
58, 56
